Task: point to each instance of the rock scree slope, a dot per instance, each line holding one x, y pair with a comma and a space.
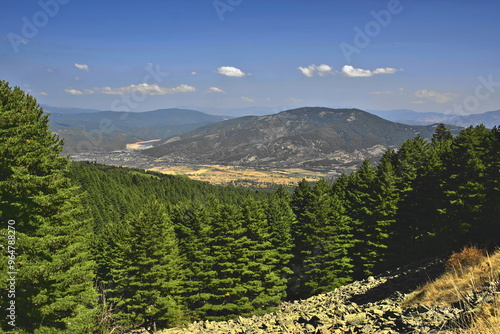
370, 306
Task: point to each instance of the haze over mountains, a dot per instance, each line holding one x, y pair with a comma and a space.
488, 119
108, 130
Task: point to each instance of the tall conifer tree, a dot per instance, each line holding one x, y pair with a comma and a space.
148, 272
55, 281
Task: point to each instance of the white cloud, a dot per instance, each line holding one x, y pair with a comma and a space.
193, 73
82, 67
231, 71
247, 99
215, 90
324, 69
417, 102
352, 72
50, 70
43, 93
73, 91
147, 89
387, 70
79, 92
385, 92
293, 100
77, 78
434, 96
321, 70
307, 71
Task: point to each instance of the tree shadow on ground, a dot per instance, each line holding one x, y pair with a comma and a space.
404, 280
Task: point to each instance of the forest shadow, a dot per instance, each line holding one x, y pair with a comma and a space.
404, 280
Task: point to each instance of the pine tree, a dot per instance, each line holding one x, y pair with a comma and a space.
489, 231
410, 226
195, 228
223, 291
282, 222
361, 203
386, 206
325, 243
55, 281
441, 134
465, 189
264, 280
148, 272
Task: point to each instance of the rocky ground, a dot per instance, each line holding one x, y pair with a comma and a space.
369, 306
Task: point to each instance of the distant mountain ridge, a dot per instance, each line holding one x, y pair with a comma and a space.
67, 110
405, 116
306, 137
110, 130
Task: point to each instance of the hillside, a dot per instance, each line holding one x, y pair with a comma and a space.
108, 130
388, 303
305, 137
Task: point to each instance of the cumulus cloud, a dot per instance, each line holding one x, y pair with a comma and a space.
352, 72
82, 67
215, 90
147, 89
247, 99
307, 71
385, 92
73, 91
434, 96
321, 70
79, 92
387, 70
231, 71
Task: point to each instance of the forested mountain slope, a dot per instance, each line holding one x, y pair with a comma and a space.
101, 249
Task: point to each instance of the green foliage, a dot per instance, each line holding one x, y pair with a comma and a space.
163, 250
147, 272
326, 242
55, 280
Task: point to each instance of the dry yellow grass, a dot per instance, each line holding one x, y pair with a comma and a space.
469, 270
218, 174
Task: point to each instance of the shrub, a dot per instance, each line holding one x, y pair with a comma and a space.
468, 257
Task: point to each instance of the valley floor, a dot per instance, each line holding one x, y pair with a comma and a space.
259, 177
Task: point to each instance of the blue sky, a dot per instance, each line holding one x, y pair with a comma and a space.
440, 56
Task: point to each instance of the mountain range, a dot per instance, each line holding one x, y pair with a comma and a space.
488, 119
108, 130
305, 137
312, 134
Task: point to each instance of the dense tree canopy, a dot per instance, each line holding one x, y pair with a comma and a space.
160, 250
